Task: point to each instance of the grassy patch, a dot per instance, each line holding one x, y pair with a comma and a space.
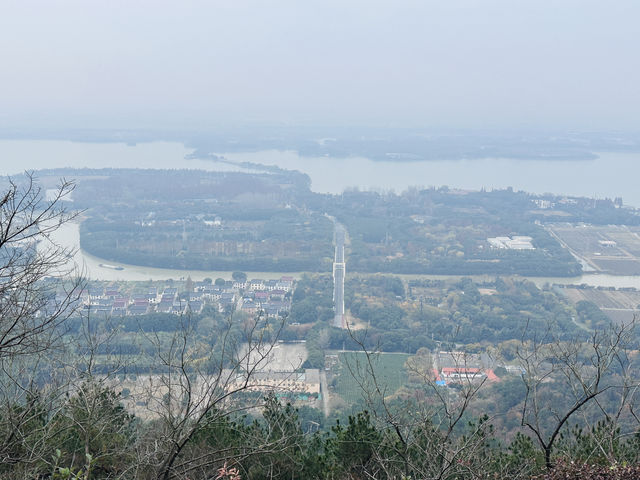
353, 373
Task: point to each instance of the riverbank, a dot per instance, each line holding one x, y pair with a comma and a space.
68, 235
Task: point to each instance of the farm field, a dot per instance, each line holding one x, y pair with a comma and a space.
618, 299
617, 266
613, 249
351, 371
619, 305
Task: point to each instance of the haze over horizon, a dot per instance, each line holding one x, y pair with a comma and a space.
195, 64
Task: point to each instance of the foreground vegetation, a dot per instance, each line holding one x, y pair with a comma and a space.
88, 433
81, 397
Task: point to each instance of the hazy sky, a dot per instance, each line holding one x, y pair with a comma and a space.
470, 63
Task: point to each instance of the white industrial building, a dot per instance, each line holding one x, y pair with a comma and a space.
516, 242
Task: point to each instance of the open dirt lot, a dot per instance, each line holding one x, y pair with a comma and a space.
284, 357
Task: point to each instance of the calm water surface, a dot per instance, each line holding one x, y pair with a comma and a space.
612, 175
16, 156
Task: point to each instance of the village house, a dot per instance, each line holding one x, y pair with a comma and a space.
109, 301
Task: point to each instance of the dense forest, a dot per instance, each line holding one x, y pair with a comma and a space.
281, 445
399, 319
274, 222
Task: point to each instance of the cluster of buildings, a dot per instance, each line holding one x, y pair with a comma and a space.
271, 298
607, 243
277, 369
110, 300
149, 395
304, 385
452, 367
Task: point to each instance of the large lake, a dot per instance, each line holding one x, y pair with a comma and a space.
16, 156
611, 175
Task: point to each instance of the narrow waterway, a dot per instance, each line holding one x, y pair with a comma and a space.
68, 235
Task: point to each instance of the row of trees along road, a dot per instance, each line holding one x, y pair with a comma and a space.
63, 415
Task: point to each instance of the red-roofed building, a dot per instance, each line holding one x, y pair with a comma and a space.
492, 376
